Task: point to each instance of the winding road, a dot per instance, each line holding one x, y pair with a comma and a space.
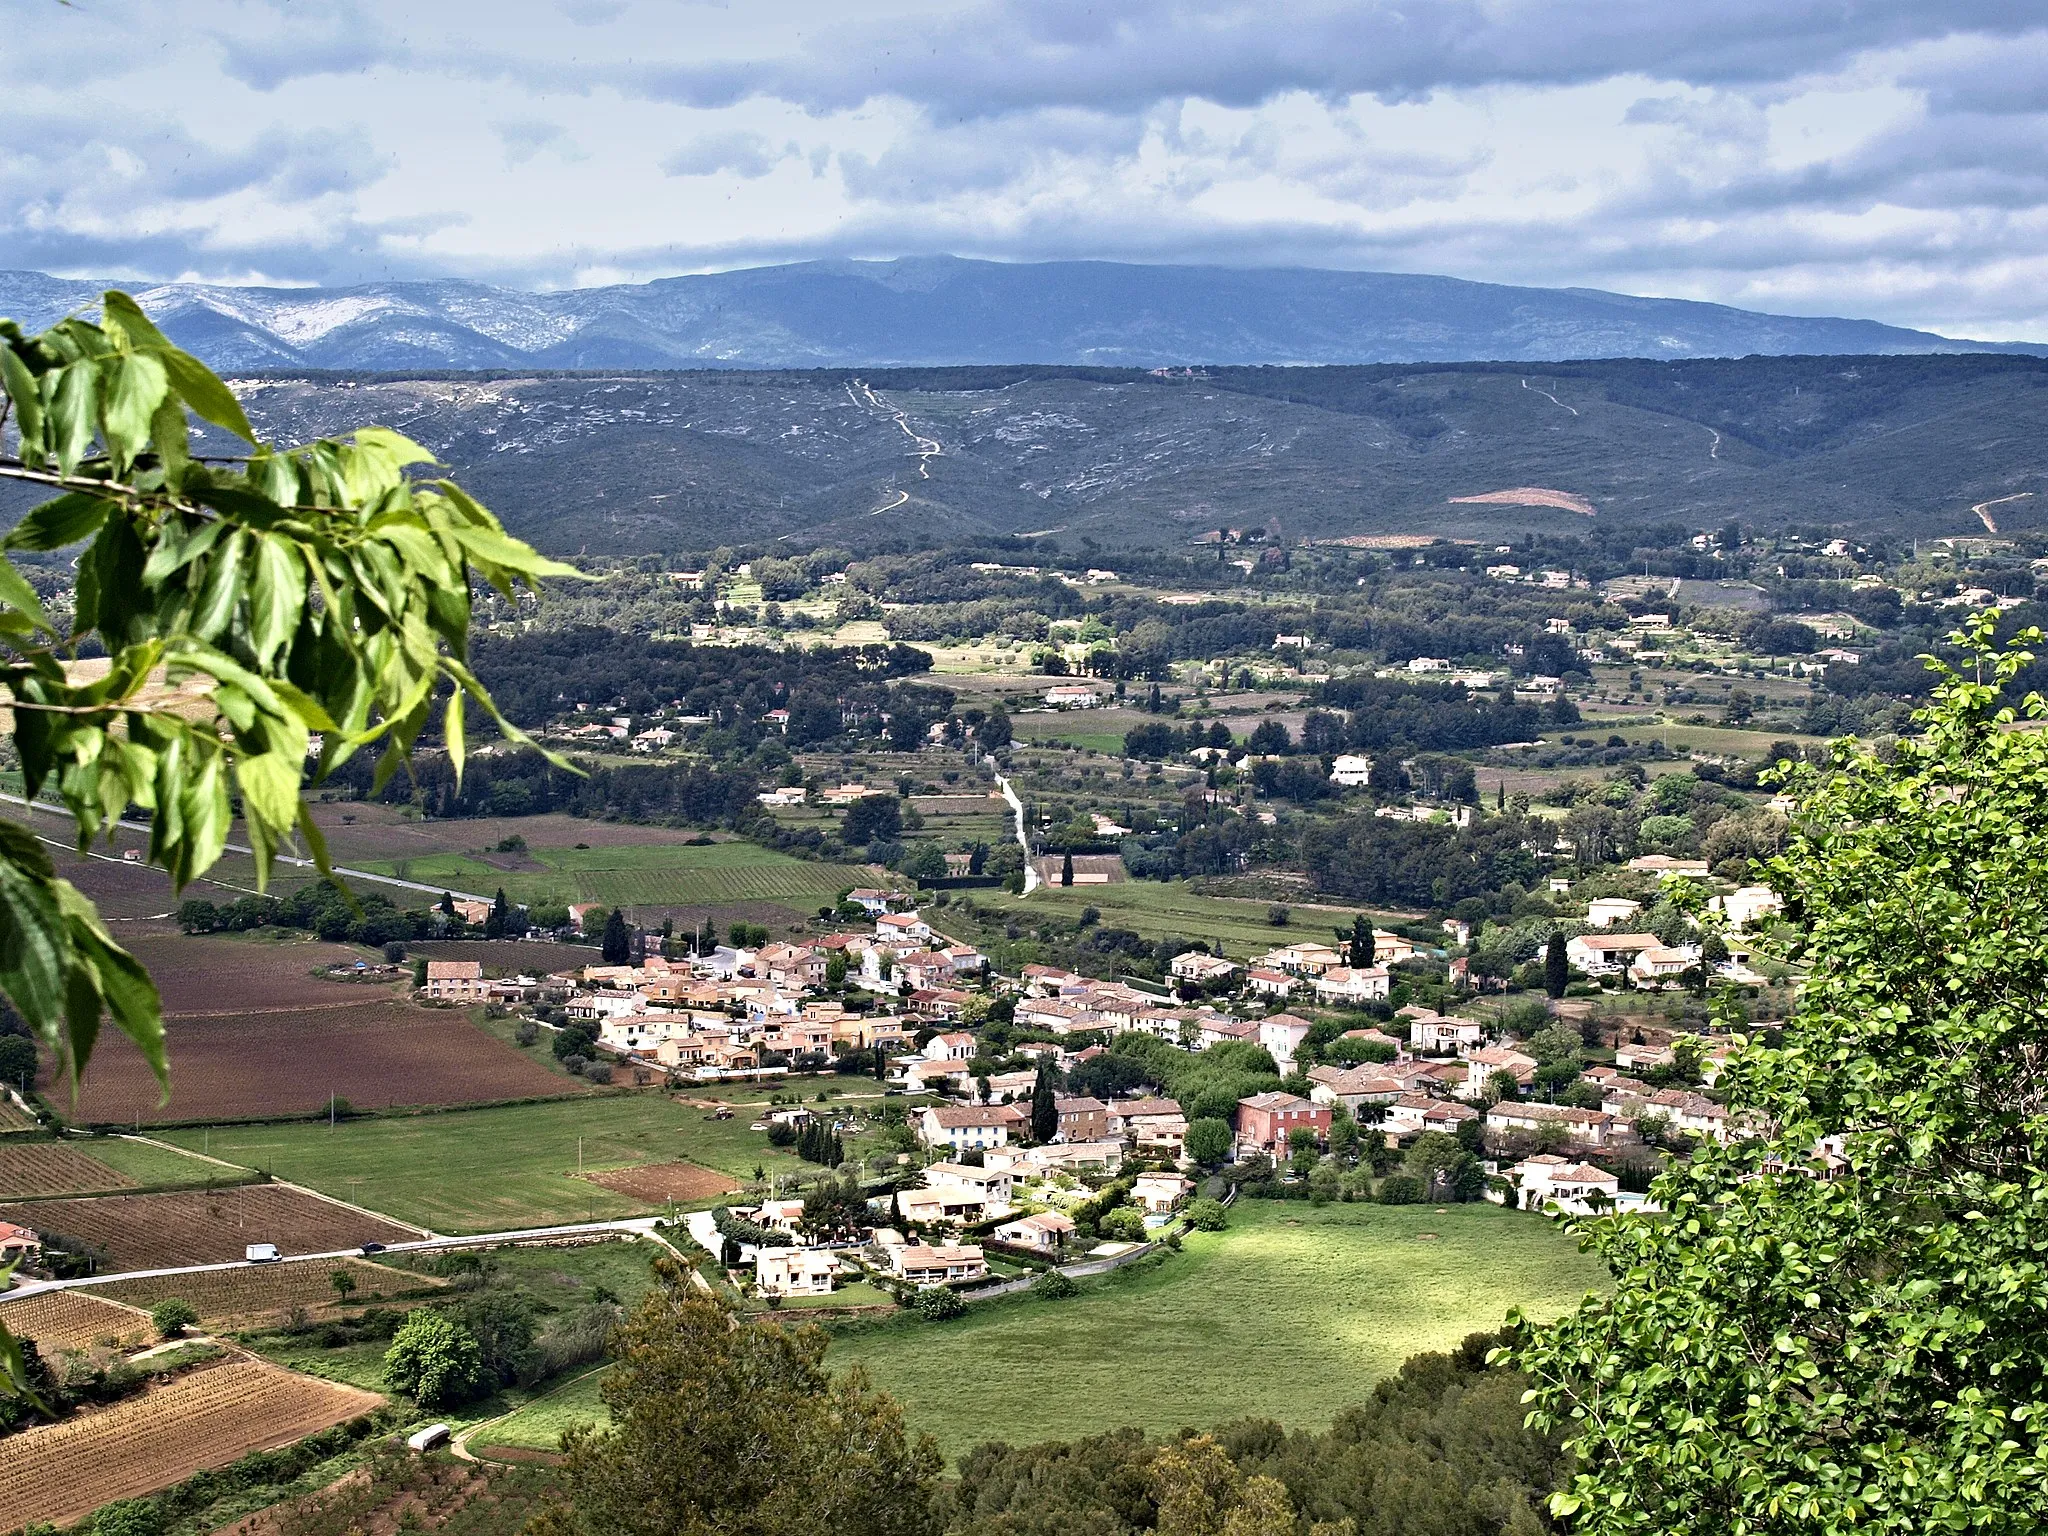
1984, 515
925, 449
1031, 880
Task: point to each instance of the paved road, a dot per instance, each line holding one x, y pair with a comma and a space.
1031, 881
637, 1226
339, 869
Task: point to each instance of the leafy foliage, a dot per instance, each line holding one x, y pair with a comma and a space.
1840, 1325
243, 604
436, 1360
721, 1423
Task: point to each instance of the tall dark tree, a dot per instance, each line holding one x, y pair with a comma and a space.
1557, 970
1067, 870
498, 922
1357, 943
1045, 1112
618, 939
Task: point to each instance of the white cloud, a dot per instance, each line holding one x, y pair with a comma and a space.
1884, 159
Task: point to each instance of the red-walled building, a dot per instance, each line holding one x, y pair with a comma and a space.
1265, 1120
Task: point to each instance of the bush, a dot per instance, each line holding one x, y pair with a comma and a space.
172, 1316
1401, 1189
938, 1304
1126, 1224
527, 1032
1206, 1215
436, 1360
1054, 1286
130, 1517
782, 1134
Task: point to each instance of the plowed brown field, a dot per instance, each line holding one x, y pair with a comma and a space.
204, 1226
51, 1168
656, 1183
207, 1418
59, 1320
262, 1293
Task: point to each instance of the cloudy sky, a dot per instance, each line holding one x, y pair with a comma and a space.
1881, 158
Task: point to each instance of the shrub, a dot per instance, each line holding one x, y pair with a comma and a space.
1126, 1224
527, 1032
130, 1517
172, 1316
1206, 1215
1401, 1189
938, 1304
1054, 1286
436, 1360
782, 1134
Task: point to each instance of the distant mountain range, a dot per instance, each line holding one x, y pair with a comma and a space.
936, 311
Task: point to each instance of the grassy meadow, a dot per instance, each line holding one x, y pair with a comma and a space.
1172, 908
1291, 1314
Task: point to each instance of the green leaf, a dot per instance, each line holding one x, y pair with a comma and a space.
18, 594
488, 547
118, 982
133, 385
452, 734
123, 318
74, 411
71, 517
210, 399
28, 404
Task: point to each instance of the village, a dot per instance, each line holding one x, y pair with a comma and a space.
1006, 1156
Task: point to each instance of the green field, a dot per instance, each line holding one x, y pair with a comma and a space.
150, 1165
659, 875
486, 1170
539, 1426
1292, 1314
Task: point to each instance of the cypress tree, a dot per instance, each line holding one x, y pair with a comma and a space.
1557, 970
1045, 1114
1067, 870
618, 942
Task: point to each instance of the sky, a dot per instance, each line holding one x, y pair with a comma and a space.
1877, 158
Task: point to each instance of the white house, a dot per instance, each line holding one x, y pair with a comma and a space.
1745, 906
1548, 1180
902, 925
1160, 1194
1353, 1087
795, 1271
1282, 1035
1591, 1127
1346, 984
1654, 967
972, 1127
992, 1184
925, 1267
1351, 770
953, 1047
1046, 1231
1072, 696
1444, 1036
1194, 966
1606, 911
1602, 954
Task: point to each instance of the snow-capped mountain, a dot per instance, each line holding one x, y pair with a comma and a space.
944, 310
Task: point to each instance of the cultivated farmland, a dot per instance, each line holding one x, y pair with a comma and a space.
254, 1033
265, 1293
658, 1183
60, 1320
207, 1418
53, 1168
203, 1226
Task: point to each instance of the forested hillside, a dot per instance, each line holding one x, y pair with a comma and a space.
1901, 447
